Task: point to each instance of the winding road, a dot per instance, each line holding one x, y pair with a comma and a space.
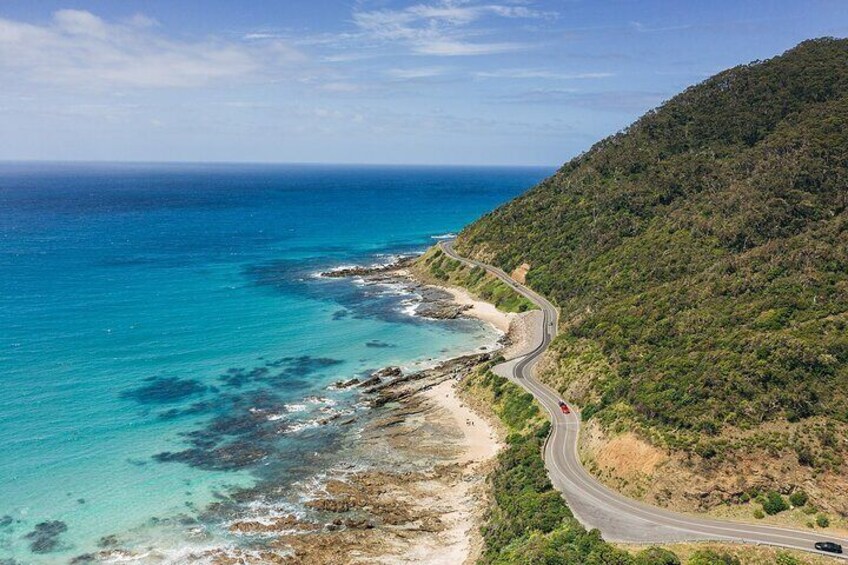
618, 518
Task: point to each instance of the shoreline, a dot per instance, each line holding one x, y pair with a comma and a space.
410, 484
483, 432
466, 439
520, 331
418, 497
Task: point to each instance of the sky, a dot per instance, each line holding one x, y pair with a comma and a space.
489, 82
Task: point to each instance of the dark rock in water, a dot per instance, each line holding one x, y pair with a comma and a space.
388, 372
377, 344
84, 558
187, 520
340, 314
438, 304
292, 369
196, 408
236, 425
108, 541
45, 537
360, 271
442, 310
164, 390
228, 457
370, 382
9, 562
6, 521
347, 384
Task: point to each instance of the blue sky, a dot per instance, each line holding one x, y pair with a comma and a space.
364, 81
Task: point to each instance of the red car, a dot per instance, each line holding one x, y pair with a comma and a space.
564, 407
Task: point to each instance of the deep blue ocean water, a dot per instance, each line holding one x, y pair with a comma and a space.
164, 341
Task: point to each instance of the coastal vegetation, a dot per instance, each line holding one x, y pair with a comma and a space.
437, 267
529, 521
700, 262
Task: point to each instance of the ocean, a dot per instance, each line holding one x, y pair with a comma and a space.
168, 350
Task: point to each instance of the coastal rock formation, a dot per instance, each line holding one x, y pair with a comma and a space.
433, 302
364, 271
388, 373
417, 499
44, 538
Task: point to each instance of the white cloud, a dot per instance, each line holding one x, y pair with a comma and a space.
341, 87
80, 49
446, 28
450, 48
258, 35
540, 74
140, 20
642, 28
416, 73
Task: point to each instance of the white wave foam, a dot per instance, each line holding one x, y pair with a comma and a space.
300, 426
321, 400
410, 306
444, 236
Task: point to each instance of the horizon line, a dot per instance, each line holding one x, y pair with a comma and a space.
274, 163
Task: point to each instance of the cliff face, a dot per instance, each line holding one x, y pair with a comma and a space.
700, 260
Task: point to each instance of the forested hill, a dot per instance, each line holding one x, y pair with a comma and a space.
703, 251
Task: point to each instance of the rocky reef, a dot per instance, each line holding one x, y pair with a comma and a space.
405, 489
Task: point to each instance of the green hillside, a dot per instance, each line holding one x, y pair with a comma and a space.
700, 257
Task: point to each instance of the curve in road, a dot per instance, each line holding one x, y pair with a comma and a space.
617, 517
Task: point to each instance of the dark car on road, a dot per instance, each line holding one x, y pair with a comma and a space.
829, 546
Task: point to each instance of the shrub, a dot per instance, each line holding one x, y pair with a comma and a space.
822, 521
710, 557
810, 509
758, 514
798, 498
805, 456
784, 558
656, 556
774, 503
706, 451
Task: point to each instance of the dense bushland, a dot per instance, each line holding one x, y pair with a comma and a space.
701, 256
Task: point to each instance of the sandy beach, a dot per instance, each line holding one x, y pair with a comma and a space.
521, 330
481, 310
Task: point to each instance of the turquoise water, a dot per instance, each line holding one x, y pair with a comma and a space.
164, 341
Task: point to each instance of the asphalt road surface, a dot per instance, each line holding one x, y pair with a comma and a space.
617, 517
